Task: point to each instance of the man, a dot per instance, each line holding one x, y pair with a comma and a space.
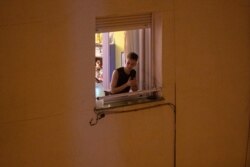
123, 79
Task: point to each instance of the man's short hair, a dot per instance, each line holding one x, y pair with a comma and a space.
133, 56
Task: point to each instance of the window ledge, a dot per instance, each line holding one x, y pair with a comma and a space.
128, 103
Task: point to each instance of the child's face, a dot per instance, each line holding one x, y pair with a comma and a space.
130, 64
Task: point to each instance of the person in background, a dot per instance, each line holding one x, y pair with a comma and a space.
98, 71
123, 79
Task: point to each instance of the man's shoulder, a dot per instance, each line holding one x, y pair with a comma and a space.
120, 69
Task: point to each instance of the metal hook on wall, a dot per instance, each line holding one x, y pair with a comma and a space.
99, 116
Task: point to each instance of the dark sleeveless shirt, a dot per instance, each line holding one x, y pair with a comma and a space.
123, 78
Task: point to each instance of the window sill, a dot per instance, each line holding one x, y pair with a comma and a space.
127, 102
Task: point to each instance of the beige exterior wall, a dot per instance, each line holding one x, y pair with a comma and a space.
47, 97
213, 81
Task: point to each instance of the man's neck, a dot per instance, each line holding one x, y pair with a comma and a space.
127, 71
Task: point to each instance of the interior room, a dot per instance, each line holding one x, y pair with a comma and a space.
52, 67
110, 54
112, 51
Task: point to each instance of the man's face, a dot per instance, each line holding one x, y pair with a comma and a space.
130, 64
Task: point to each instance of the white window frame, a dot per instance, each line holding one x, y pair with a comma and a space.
130, 22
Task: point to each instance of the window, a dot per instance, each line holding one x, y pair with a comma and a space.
116, 37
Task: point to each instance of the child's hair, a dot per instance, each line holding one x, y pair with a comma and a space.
133, 56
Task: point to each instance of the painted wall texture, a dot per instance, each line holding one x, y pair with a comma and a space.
47, 94
212, 76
